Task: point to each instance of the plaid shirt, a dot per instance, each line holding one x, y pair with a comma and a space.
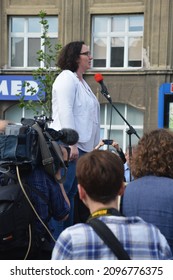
141, 241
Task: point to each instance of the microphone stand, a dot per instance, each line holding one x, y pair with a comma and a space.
131, 129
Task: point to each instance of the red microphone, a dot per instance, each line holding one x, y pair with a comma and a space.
99, 79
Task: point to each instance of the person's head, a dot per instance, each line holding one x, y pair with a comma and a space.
154, 154
73, 55
101, 174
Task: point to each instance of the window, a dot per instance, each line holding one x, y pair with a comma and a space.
14, 113
117, 41
119, 128
25, 40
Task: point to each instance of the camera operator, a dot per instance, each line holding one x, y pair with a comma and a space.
49, 200
53, 203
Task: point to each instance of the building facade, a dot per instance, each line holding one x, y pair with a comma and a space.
131, 42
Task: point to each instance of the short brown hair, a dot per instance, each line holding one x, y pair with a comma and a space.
101, 174
154, 154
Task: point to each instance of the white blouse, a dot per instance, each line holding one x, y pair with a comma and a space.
75, 106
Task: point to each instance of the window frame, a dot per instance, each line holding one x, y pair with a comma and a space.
108, 35
26, 35
105, 126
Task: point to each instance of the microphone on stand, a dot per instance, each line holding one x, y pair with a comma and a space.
99, 79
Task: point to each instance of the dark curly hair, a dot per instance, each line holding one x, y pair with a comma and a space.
154, 154
69, 56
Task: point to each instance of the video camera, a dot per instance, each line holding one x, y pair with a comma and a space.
27, 143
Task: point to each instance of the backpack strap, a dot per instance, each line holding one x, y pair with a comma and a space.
109, 238
7, 174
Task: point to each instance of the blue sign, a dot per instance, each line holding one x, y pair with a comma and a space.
165, 106
11, 88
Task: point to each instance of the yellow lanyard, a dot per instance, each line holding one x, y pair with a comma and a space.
104, 212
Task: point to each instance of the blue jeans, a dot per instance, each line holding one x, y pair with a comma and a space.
70, 186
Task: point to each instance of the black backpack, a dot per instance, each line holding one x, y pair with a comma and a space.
16, 220
18, 216
15, 216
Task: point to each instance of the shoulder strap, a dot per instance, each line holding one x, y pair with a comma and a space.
57, 150
109, 238
47, 158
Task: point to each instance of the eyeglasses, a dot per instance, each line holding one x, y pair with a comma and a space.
86, 53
